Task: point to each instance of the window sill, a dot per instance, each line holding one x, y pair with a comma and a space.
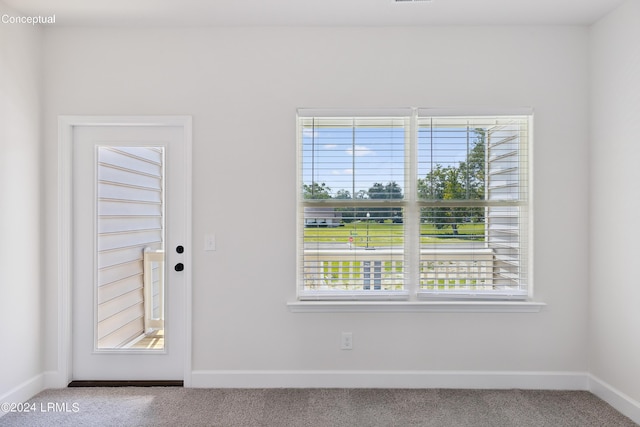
415, 306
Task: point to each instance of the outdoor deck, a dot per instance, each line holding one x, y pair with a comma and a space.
153, 341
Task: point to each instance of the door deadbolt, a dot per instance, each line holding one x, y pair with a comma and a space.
180, 249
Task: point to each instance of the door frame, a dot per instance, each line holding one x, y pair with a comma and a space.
66, 125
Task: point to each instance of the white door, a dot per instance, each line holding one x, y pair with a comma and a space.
130, 195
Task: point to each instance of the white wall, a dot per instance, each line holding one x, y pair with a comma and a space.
242, 86
20, 210
614, 313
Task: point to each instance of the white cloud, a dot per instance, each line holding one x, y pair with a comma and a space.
342, 172
360, 150
309, 133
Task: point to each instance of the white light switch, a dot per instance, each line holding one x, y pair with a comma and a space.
210, 242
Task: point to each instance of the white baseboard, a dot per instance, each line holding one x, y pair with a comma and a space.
54, 379
24, 391
620, 401
391, 379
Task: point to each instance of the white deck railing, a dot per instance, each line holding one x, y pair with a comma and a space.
456, 269
353, 269
384, 269
153, 265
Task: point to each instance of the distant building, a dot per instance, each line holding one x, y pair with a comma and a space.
322, 217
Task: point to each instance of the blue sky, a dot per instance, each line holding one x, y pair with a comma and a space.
354, 159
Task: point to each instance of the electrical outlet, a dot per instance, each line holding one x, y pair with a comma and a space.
346, 342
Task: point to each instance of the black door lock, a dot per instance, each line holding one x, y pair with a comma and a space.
179, 266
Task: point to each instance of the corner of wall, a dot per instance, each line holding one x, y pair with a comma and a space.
614, 116
21, 186
614, 397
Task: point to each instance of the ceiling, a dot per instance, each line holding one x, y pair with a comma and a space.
316, 12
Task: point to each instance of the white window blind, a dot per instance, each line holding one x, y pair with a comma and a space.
407, 205
472, 192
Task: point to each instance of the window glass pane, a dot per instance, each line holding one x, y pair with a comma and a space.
345, 158
451, 159
453, 250
130, 247
353, 249
476, 255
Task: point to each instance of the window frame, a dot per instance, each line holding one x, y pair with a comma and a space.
411, 297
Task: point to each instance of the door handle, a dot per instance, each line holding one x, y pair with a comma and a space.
179, 266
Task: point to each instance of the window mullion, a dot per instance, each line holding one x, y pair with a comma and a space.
412, 211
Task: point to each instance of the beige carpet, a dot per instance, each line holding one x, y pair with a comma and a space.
175, 406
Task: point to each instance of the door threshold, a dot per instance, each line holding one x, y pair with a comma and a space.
127, 383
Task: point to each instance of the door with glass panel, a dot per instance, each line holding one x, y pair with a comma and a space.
129, 228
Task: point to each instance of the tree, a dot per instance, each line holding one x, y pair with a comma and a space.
462, 182
316, 191
390, 191
361, 195
443, 184
473, 170
386, 192
343, 194
347, 213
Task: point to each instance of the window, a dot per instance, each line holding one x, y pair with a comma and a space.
412, 204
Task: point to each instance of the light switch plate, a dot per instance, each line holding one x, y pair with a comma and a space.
210, 242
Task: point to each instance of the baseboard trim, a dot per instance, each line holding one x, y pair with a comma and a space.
24, 391
54, 379
391, 379
620, 401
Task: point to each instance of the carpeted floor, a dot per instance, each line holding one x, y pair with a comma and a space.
175, 406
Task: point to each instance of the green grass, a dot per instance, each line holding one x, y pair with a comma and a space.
389, 234
466, 232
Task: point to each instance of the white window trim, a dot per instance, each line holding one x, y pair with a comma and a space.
410, 299
354, 295
415, 306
